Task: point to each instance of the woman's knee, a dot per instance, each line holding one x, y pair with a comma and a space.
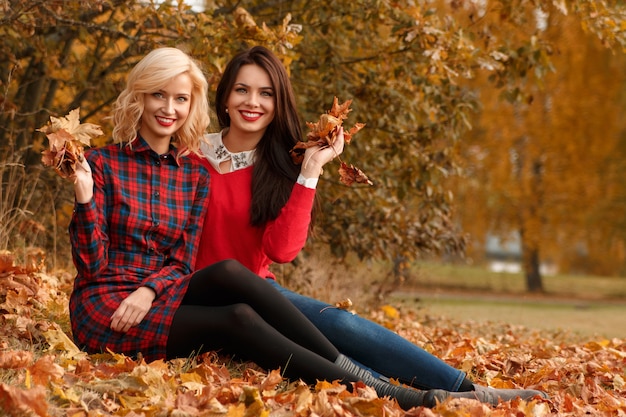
224, 273
240, 279
231, 267
344, 321
243, 316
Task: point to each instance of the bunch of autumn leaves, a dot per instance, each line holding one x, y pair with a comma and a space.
324, 133
67, 137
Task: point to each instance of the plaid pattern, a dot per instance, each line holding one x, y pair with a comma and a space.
141, 229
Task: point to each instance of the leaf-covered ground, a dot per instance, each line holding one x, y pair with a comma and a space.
42, 373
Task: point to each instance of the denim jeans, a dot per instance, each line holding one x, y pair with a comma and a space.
376, 347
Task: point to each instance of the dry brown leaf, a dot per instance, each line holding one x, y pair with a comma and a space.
15, 359
7, 260
70, 124
45, 370
351, 174
18, 402
67, 137
581, 378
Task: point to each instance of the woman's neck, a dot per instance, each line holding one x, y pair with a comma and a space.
240, 141
159, 145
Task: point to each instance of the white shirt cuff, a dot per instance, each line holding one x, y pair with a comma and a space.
307, 182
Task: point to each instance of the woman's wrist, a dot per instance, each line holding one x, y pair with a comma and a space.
310, 169
83, 191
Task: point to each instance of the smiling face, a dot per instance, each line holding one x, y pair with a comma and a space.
165, 111
250, 104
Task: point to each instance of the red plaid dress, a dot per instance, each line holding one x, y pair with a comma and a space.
140, 229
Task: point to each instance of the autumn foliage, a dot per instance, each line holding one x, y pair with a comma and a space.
67, 137
324, 133
42, 373
425, 76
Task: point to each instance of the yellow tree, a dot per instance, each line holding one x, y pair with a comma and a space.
405, 64
539, 158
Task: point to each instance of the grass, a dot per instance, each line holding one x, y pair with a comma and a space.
585, 306
589, 320
475, 278
582, 306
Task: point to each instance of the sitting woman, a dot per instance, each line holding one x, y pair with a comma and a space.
137, 220
260, 209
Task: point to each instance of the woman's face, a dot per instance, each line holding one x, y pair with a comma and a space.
251, 101
166, 110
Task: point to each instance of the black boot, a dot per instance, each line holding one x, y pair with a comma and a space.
406, 397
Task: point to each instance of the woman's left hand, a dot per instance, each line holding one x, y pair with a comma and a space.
83, 181
132, 309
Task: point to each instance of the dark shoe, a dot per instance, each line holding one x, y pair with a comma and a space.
494, 396
406, 397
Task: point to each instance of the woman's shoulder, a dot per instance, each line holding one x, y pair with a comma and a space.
210, 142
108, 149
102, 152
194, 163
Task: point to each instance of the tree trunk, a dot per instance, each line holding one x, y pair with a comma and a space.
531, 268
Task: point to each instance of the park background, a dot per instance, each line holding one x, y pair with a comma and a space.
495, 140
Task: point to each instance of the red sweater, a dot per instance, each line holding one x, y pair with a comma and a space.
227, 233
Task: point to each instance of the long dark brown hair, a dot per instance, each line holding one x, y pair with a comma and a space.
274, 172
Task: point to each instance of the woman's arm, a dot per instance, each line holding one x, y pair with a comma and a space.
88, 227
285, 237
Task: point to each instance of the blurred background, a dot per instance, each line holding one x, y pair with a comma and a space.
495, 132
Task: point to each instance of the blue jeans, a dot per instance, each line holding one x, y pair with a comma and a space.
376, 347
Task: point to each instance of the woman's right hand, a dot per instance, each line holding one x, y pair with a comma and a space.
83, 182
316, 157
132, 309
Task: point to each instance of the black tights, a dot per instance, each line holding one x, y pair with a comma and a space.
229, 308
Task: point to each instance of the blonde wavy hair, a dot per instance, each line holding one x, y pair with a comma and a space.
150, 74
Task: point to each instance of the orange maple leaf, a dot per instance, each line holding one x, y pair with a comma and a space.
20, 401
45, 370
349, 174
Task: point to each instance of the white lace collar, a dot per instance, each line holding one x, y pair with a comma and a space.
216, 153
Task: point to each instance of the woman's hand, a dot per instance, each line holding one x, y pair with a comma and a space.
83, 182
132, 309
316, 157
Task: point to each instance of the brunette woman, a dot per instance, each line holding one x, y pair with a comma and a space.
260, 209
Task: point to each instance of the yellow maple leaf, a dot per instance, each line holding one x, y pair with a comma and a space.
390, 311
59, 341
82, 132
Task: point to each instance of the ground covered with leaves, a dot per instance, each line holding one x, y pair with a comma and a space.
42, 373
